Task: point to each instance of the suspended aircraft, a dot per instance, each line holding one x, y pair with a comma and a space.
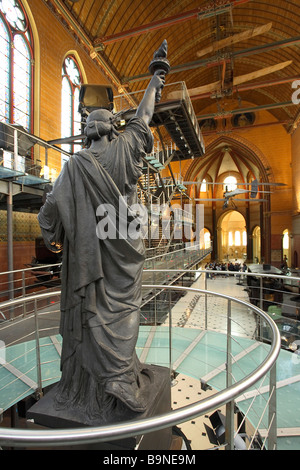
228, 83
229, 195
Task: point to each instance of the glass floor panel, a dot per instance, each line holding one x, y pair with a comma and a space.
196, 353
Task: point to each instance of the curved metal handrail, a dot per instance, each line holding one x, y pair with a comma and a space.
80, 436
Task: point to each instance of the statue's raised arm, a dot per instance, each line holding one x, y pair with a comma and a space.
159, 67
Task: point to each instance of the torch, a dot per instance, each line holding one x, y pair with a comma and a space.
160, 62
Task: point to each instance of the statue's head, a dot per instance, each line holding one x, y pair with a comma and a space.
99, 123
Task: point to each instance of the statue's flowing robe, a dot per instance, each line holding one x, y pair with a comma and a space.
101, 278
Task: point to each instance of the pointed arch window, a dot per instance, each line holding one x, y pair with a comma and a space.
203, 187
16, 71
286, 240
230, 183
207, 240
70, 117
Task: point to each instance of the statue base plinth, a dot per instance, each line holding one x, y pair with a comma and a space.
44, 415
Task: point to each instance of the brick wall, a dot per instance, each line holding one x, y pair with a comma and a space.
296, 196
55, 42
52, 43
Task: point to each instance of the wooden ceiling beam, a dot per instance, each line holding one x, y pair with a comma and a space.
209, 10
267, 47
62, 11
215, 61
250, 126
254, 109
251, 86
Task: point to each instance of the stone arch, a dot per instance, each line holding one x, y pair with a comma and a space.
225, 250
250, 163
256, 244
247, 148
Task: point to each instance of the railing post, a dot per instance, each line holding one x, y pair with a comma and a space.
10, 255
229, 425
170, 332
155, 308
261, 303
23, 292
205, 301
272, 436
153, 272
261, 292
38, 352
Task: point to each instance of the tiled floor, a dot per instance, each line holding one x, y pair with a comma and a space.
185, 391
189, 313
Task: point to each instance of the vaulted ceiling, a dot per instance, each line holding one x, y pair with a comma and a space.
123, 35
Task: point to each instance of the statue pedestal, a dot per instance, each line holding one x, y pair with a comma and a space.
45, 416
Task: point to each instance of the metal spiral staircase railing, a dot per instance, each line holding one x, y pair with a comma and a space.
33, 438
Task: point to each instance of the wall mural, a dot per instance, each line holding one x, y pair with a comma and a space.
25, 227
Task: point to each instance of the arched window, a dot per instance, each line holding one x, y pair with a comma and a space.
16, 71
285, 240
70, 117
244, 238
207, 240
203, 187
230, 183
237, 238
286, 247
230, 239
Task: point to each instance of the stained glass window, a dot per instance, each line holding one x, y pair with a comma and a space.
16, 56
70, 117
